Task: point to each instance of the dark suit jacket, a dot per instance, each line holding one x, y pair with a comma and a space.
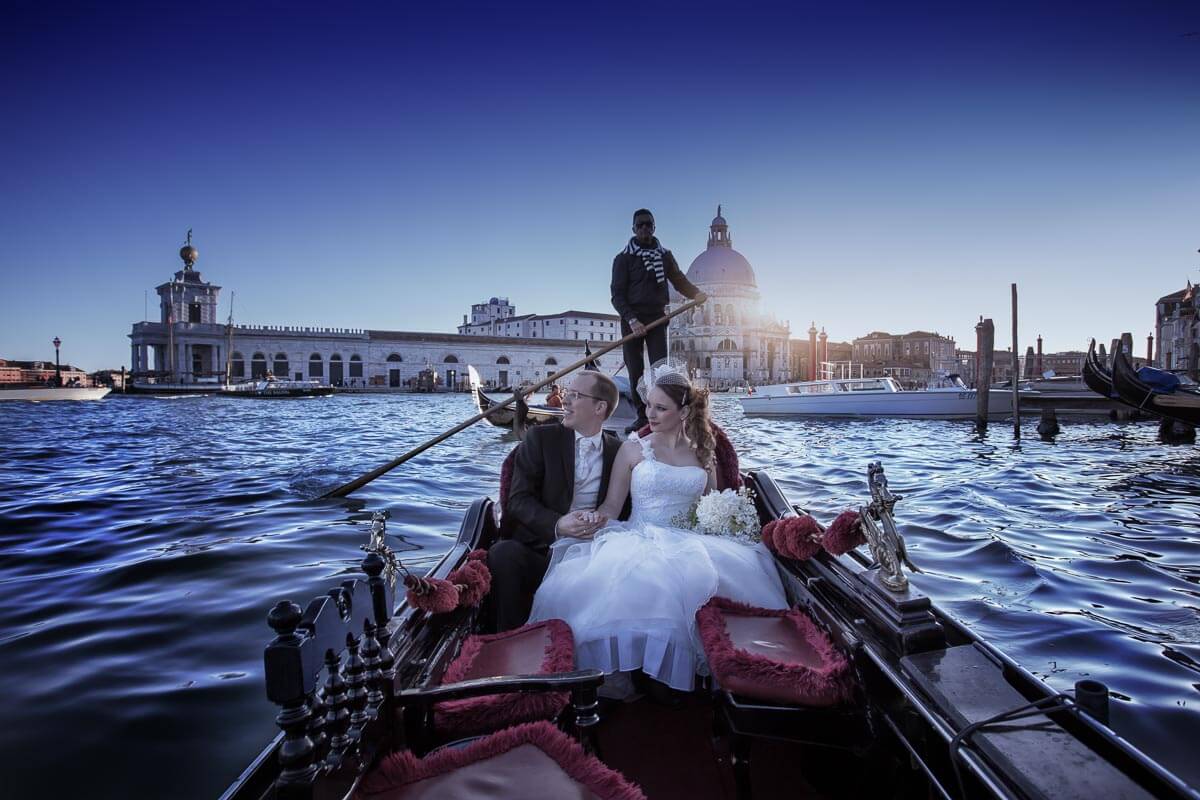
543, 482
637, 293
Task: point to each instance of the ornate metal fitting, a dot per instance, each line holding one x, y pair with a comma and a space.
879, 526
377, 543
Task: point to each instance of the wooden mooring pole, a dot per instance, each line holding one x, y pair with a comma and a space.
987, 339
1016, 371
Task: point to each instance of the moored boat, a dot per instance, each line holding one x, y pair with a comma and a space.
932, 709
842, 394
272, 389
39, 394
1154, 390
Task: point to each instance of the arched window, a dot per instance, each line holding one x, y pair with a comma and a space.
280, 367
395, 358
356, 366
237, 366
552, 361
727, 344
729, 317
718, 319
677, 346
258, 366
708, 362
316, 369
450, 359
500, 360
336, 376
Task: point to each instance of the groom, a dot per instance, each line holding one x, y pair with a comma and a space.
559, 472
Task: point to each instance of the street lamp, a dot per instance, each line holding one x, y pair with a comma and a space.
57, 368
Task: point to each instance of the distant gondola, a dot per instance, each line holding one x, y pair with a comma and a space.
930, 710
1096, 376
1154, 390
540, 414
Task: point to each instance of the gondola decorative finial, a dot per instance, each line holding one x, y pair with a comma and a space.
879, 526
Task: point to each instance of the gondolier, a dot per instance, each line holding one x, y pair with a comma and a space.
639, 294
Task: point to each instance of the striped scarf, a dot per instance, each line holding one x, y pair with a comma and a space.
652, 258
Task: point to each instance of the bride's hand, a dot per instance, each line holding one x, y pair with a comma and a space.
581, 524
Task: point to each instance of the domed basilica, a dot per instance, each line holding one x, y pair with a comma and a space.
728, 341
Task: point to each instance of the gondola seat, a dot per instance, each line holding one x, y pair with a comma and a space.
534, 760
773, 656
540, 648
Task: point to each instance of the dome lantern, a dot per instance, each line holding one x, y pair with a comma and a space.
720, 263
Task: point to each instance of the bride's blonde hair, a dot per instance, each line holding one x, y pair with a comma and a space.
697, 426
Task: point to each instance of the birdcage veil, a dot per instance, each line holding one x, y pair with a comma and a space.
663, 372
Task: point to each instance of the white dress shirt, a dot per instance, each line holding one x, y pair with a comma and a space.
589, 463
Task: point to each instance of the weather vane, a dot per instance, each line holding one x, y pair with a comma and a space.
189, 241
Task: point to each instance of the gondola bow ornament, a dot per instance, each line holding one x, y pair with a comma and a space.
879, 526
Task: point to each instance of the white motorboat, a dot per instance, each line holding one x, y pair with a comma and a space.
847, 396
40, 393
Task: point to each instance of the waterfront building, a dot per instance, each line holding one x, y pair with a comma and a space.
1177, 329
498, 317
802, 365
37, 372
728, 341
188, 345
916, 359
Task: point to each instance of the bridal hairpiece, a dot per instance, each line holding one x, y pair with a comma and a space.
663, 373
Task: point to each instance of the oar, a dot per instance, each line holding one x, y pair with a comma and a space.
347, 488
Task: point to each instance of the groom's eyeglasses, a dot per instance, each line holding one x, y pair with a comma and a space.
573, 395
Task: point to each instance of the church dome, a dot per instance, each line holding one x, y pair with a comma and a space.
720, 263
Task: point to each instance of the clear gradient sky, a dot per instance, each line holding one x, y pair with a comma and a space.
890, 166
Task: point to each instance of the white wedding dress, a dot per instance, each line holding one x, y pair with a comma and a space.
631, 594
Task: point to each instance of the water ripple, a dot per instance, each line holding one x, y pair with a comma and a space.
144, 540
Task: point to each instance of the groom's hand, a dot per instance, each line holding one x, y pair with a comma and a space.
580, 524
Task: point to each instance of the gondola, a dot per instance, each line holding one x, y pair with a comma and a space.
930, 709
538, 414
1097, 378
1154, 390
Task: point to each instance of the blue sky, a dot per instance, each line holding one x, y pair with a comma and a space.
890, 166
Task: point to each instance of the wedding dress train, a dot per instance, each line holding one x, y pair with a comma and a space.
631, 593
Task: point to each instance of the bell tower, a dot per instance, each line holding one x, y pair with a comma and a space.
188, 297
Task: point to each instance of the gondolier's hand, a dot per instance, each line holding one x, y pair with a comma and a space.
579, 524
637, 327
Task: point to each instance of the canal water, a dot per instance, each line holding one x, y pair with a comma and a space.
145, 539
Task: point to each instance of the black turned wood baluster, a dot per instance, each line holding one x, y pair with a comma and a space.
337, 715
296, 752
356, 680
316, 725
373, 675
585, 704
374, 565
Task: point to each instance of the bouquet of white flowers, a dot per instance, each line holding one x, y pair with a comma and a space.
725, 513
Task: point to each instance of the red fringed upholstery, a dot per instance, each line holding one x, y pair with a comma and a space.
540, 648
775, 656
844, 534
434, 595
729, 475
475, 579
533, 760
793, 537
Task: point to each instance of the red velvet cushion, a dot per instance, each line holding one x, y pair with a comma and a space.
533, 760
772, 655
540, 648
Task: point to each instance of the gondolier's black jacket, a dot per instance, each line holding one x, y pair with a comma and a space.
636, 292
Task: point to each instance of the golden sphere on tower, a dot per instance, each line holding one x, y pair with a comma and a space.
189, 254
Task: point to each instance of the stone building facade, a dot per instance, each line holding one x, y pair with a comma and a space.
188, 345
498, 317
916, 359
728, 341
1177, 330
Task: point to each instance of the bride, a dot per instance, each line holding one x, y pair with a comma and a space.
630, 592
